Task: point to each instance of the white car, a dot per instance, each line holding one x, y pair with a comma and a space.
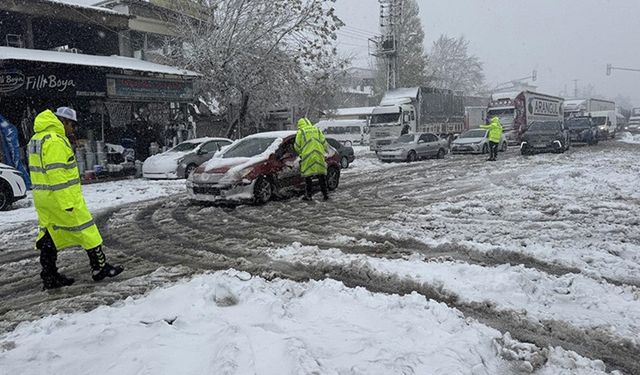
182, 160
475, 141
12, 186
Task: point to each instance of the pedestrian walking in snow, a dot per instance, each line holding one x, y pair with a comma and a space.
63, 217
311, 146
495, 134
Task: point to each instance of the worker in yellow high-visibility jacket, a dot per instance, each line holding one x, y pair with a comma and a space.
311, 145
63, 217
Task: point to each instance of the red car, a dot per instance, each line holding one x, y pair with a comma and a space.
256, 169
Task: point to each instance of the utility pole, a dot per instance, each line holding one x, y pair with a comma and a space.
386, 45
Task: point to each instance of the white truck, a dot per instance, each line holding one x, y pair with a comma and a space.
633, 125
415, 110
518, 110
582, 107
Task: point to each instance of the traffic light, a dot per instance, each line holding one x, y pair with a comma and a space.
608, 69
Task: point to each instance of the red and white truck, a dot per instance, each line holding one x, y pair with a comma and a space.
518, 110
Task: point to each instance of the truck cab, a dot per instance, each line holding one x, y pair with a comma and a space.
389, 122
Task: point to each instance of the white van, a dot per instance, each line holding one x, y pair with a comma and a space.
607, 123
347, 132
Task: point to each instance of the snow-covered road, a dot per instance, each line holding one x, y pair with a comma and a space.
543, 250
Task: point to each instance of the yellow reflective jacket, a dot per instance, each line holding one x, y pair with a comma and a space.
495, 130
57, 194
311, 146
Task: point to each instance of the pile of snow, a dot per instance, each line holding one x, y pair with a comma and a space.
627, 137
232, 323
99, 196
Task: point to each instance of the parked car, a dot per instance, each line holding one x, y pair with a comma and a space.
545, 136
347, 156
182, 160
412, 147
582, 130
12, 186
256, 169
475, 141
633, 125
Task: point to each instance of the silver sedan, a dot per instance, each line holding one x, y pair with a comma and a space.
412, 147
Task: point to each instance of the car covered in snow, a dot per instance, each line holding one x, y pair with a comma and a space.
582, 130
475, 141
544, 136
256, 169
12, 186
347, 155
412, 147
182, 160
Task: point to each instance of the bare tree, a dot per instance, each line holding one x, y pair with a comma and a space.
451, 66
255, 55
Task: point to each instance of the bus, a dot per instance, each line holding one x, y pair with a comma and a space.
347, 132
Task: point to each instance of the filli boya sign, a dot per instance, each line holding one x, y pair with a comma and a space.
22, 82
543, 107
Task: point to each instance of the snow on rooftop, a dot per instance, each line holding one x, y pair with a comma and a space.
354, 111
74, 4
399, 96
505, 95
118, 62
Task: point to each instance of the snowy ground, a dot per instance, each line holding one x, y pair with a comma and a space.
529, 264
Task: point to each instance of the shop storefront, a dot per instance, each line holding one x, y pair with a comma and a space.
120, 101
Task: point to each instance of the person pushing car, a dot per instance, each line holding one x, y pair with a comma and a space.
311, 146
63, 218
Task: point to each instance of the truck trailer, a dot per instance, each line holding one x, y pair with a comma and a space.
415, 110
518, 110
582, 107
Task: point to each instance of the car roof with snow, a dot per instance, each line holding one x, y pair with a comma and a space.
274, 134
205, 139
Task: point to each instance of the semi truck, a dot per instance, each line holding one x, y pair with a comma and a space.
518, 110
582, 107
415, 110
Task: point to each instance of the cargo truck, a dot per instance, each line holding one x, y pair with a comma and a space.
415, 110
518, 110
581, 107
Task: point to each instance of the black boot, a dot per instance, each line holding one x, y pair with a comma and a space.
99, 265
51, 279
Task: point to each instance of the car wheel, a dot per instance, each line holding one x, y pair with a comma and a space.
333, 178
441, 153
262, 190
344, 162
5, 198
504, 147
485, 149
412, 156
190, 168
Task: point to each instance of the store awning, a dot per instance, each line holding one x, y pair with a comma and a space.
114, 62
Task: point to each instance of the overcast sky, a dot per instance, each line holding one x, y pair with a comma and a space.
563, 40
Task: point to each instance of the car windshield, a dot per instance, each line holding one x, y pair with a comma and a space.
597, 121
248, 147
407, 138
385, 118
185, 146
544, 126
474, 134
578, 123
